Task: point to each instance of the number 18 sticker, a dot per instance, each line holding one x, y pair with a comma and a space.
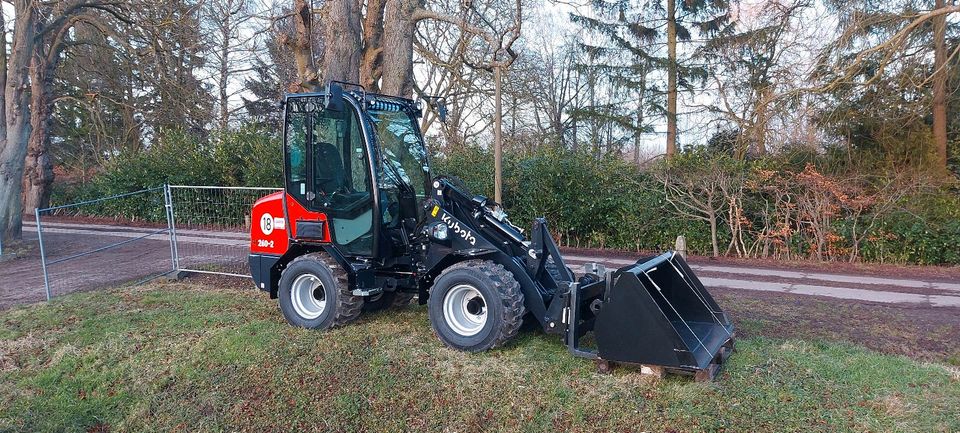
266, 224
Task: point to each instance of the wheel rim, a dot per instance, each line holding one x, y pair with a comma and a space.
308, 296
465, 310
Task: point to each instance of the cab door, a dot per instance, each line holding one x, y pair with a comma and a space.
328, 172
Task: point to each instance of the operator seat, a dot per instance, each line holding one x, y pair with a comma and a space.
329, 170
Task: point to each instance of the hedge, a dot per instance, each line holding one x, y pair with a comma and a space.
588, 202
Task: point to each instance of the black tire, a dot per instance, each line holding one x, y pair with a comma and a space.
340, 305
402, 299
501, 298
372, 304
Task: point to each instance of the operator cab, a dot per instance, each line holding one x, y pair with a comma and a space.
356, 162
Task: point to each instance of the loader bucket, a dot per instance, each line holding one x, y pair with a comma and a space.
657, 313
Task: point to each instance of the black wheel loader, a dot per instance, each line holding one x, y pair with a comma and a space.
361, 225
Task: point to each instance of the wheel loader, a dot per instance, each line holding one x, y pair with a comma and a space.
362, 225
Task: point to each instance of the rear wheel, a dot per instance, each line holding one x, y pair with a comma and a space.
476, 305
315, 293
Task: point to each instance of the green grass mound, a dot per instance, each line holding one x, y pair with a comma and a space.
181, 357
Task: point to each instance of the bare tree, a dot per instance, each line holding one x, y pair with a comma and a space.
41, 33
700, 186
556, 86
53, 37
230, 52
441, 49
167, 51
754, 71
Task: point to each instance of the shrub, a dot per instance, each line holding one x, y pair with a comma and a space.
608, 202
247, 157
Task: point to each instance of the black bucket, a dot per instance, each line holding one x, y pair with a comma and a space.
657, 312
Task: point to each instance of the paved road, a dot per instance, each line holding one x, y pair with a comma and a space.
926, 292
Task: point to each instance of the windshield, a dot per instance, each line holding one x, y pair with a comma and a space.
404, 153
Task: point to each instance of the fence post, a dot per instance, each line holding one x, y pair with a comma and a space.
171, 227
43, 255
681, 246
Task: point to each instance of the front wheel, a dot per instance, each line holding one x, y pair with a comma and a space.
476, 305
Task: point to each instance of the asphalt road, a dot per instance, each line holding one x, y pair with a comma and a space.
201, 247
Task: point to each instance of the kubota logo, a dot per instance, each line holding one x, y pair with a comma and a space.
455, 226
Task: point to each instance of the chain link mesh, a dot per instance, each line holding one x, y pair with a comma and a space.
104, 242
212, 227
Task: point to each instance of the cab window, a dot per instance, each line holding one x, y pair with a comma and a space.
328, 170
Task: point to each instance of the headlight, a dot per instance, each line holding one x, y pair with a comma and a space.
439, 231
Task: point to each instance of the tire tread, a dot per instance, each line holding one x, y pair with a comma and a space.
349, 306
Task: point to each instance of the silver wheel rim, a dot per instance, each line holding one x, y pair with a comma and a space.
308, 297
465, 310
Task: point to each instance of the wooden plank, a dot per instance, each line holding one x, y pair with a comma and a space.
707, 374
604, 366
653, 370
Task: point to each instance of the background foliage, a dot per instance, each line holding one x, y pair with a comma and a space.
612, 203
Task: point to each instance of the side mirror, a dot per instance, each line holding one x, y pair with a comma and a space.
334, 97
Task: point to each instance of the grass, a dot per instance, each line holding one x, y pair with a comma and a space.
919, 332
185, 357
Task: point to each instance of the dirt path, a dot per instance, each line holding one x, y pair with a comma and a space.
142, 253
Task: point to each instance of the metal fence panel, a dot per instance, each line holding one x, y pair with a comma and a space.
105, 241
210, 226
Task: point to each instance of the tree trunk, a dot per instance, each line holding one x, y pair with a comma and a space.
497, 137
760, 129
576, 141
371, 63
302, 45
671, 78
712, 216
638, 137
3, 85
940, 87
398, 33
341, 57
16, 129
594, 122
38, 173
224, 71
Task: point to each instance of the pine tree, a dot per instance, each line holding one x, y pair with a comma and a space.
636, 49
891, 62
